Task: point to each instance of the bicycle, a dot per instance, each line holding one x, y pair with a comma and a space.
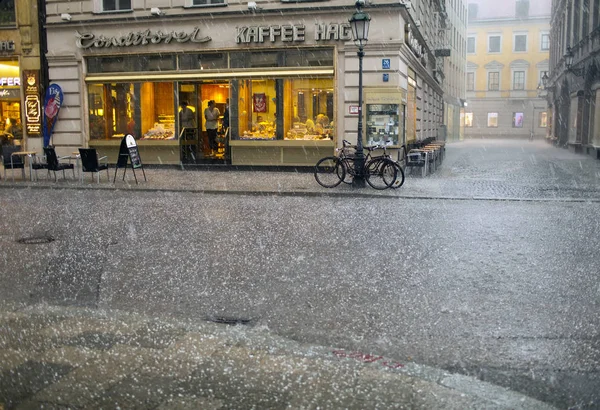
380, 173
400, 179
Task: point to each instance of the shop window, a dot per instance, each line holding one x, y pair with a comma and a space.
517, 120
116, 5
7, 12
145, 110
469, 119
203, 61
310, 58
543, 120
307, 107
118, 64
492, 120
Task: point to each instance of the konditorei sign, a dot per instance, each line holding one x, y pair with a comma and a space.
33, 110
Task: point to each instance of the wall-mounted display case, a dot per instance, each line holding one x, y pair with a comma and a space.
384, 117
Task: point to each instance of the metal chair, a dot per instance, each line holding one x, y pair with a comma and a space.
91, 163
53, 163
12, 161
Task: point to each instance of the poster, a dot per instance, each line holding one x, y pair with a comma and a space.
52, 104
518, 120
259, 102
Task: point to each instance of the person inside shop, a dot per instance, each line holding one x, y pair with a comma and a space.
14, 131
211, 114
186, 116
225, 126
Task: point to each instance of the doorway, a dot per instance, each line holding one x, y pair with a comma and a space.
196, 146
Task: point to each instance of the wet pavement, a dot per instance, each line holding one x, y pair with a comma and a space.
473, 280
66, 358
473, 169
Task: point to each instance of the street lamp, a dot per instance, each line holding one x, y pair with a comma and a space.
360, 34
579, 72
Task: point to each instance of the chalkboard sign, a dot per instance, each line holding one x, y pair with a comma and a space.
128, 151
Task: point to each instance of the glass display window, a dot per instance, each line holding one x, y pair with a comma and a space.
306, 107
145, 110
384, 118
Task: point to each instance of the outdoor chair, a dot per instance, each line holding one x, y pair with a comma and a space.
417, 158
53, 163
38, 164
91, 163
11, 161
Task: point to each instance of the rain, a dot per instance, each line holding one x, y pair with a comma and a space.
295, 216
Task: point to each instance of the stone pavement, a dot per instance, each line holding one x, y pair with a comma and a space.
58, 357
73, 358
474, 169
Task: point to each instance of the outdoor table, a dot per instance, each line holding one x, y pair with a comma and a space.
26, 154
77, 157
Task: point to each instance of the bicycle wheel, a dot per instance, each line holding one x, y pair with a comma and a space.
400, 177
380, 173
349, 168
329, 172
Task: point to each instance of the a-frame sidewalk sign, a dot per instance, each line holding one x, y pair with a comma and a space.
128, 152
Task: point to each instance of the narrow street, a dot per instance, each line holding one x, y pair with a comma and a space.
495, 275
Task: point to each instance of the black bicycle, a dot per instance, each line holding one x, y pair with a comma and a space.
379, 172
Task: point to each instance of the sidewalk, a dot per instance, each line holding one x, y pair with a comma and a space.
58, 357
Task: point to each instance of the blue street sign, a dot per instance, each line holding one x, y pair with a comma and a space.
386, 78
385, 64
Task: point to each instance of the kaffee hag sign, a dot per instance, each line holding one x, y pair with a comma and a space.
285, 33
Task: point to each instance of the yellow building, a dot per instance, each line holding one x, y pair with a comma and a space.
507, 54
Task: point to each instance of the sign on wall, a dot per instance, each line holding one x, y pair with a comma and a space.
33, 107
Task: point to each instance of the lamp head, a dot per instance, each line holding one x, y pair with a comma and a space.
360, 25
569, 57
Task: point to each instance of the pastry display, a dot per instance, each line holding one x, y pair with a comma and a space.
160, 132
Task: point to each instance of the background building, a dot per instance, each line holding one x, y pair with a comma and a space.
20, 75
508, 46
572, 91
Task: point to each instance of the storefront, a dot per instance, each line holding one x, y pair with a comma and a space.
289, 89
11, 128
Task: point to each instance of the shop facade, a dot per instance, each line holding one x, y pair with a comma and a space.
20, 75
288, 84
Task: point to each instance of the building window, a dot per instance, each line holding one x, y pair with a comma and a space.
545, 43
517, 119
520, 43
494, 44
522, 9
493, 81
7, 12
542, 73
518, 80
471, 45
543, 122
472, 11
469, 119
492, 120
470, 81
206, 2
116, 5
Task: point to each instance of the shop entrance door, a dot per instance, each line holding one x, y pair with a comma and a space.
198, 145
187, 122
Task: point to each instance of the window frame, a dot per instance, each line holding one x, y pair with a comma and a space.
99, 7
474, 44
499, 45
517, 114
542, 35
209, 3
469, 115
543, 115
514, 83
489, 117
12, 14
467, 88
489, 82
515, 42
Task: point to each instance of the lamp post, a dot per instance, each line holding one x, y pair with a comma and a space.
579, 72
360, 34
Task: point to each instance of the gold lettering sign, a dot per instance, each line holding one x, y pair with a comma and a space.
33, 117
